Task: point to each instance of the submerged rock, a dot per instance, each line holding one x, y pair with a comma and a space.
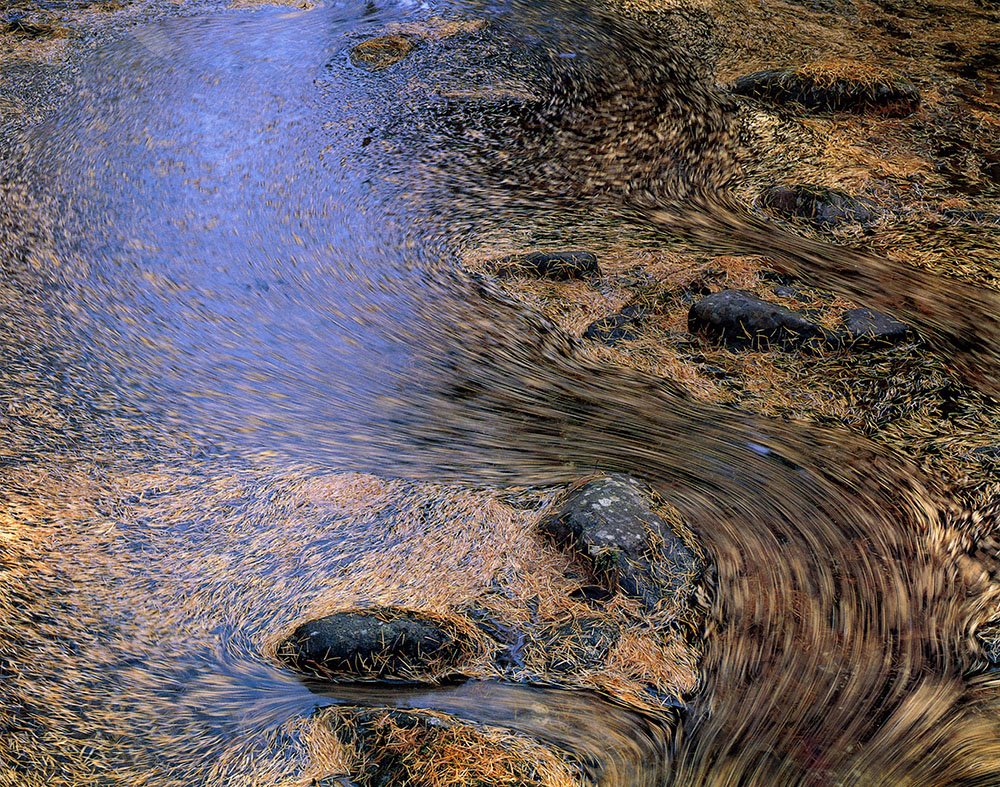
867, 327
612, 522
373, 644
379, 53
556, 265
19, 24
820, 92
820, 206
741, 321
620, 327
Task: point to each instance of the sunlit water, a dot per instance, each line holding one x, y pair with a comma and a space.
235, 244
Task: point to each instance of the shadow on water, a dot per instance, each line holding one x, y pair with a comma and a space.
248, 243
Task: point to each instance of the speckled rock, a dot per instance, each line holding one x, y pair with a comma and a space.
613, 524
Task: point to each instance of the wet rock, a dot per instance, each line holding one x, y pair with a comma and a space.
621, 327
741, 321
820, 206
869, 328
820, 93
373, 644
556, 265
377, 54
613, 524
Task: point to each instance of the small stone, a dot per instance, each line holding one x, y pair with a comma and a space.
556, 265
372, 644
377, 54
630, 546
870, 328
620, 327
820, 206
792, 293
821, 93
741, 321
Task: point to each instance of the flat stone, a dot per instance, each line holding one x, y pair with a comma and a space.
612, 524
896, 97
741, 321
867, 327
556, 265
372, 644
621, 327
819, 206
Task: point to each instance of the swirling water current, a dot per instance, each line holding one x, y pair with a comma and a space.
234, 249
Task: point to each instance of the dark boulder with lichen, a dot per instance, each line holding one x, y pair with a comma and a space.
742, 321
374, 644
626, 536
817, 92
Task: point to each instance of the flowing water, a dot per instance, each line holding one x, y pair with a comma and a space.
231, 266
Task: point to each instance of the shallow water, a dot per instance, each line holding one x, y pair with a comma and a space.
234, 266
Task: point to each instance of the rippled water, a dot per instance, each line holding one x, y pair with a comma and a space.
233, 264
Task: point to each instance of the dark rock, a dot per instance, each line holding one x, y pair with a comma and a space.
741, 321
379, 53
612, 523
870, 328
793, 293
557, 265
820, 206
986, 454
895, 98
595, 595
373, 644
580, 644
620, 327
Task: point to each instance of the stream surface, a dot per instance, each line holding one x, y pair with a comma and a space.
235, 244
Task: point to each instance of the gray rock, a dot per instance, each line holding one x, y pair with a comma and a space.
557, 265
741, 320
612, 524
869, 328
372, 644
620, 327
819, 206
